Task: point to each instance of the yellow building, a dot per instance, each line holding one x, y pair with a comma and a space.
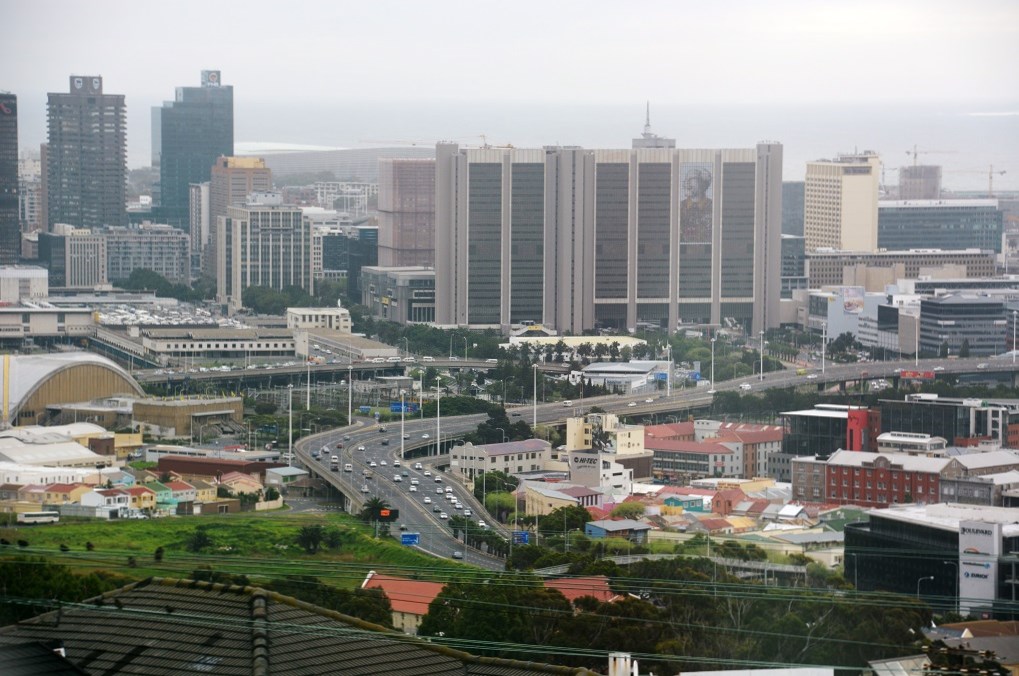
60, 494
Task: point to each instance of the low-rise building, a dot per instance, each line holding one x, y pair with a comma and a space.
58, 494
631, 530
332, 318
511, 457
141, 498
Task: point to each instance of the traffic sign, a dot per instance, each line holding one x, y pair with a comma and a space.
410, 538
521, 537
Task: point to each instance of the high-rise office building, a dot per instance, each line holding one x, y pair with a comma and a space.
196, 128
10, 230
950, 322
262, 243
792, 208
231, 180
406, 212
76, 257
160, 248
920, 183
578, 239
840, 203
199, 221
86, 161
940, 224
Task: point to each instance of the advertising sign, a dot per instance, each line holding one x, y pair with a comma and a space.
917, 375
979, 549
410, 538
695, 209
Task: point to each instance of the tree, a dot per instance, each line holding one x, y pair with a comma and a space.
964, 349
310, 538
495, 481
198, 540
628, 510
501, 505
372, 507
272, 493
158, 554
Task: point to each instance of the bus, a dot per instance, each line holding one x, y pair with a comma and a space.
38, 517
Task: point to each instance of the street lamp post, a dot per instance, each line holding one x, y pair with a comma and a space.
438, 416
955, 567
712, 390
534, 406
916, 344
290, 418
406, 346
307, 401
762, 354
668, 375
503, 434
350, 392
465, 348
927, 577
824, 340
403, 411
451, 347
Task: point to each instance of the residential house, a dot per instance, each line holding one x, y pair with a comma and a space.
9, 492
595, 586
724, 501
164, 497
142, 498
112, 502
408, 598
241, 483
34, 493
204, 491
184, 495
63, 494
631, 530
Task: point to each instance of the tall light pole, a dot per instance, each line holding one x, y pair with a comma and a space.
406, 346
712, 390
762, 354
503, 434
928, 577
668, 374
307, 401
824, 340
350, 393
535, 403
465, 348
451, 346
290, 418
955, 605
403, 411
438, 415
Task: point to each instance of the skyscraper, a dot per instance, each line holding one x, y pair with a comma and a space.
195, 128
86, 162
578, 239
10, 231
231, 181
840, 203
406, 212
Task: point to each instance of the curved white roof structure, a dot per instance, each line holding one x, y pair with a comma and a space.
22, 375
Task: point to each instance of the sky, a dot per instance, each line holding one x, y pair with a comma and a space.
344, 73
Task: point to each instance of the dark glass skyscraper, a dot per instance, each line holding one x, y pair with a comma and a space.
10, 233
86, 161
195, 128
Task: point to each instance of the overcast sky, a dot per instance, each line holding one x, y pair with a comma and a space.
587, 52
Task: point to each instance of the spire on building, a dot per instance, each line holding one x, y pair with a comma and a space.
649, 139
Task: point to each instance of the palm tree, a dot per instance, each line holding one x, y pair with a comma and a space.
372, 507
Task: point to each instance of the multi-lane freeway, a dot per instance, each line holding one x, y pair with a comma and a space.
412, 446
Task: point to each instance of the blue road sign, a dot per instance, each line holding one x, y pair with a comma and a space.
521, 537
410, 538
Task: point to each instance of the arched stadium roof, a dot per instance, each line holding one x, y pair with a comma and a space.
22, 375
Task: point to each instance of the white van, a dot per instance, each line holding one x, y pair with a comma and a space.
335, 459
427, 358
745, 387
348, 467
567, 403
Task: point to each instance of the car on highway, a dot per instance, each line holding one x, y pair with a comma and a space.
439, 490
364, 489
812, 376
939, 368
413, 489
428, 473
428, 500
458, 554
414, 482
437, 509
467, 512
457, 505
425, 436
346, 437
396, 463
406, 436
361, 448
385, 442
632, 404
382, 429
397, 478
417, 465
981, 366
372, 464
443, 515
482, 524
438, 479
745, 387
649, 400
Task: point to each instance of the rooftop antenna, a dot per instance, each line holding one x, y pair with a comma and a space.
647, 120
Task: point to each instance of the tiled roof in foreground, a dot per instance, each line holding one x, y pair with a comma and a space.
169, 626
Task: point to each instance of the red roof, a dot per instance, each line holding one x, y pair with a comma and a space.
179, 486
406, 596
139, 490
597, 513
61, 488
683, 429
686, 446
715, 524
575, 587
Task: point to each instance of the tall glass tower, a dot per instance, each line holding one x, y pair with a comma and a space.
195, 128
10, 232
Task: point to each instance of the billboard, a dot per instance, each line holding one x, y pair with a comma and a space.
852, 300
917, 375
695, 208
979, 549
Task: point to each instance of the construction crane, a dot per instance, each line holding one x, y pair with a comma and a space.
991, 173
914, 152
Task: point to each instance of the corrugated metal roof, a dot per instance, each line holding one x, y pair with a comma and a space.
162, 626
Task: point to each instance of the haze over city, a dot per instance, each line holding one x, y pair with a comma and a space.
821, 78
